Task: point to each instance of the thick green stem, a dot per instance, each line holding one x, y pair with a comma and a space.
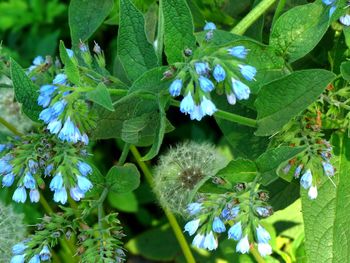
278, 11
252, 16
10, 127
124, 154
227, 116
171, 218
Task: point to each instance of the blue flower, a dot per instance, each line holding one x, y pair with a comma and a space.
197, 113
76, 193
77, 135
262, 211
210, 242
34, 195
8, 180
83, 47
34, 259
2, 147
83, 183
208, 107
328, 2
58, 107
54, 126
248, 72
235, 231
5, 167
286, 169
20, 195
175, 87
331, 10
17, 259
194, 208
187, 104
306, 179
262, 235
33, 166
67, 133
240, 90
47, 90
29, 181
298, 170
84, 168
19, 248
328, 168
70, 52
312, 193
264, 249
56, 182
345, 20
46, 115
218, 225
198, 241
192, 226
238, 51
209, 26
48, 169
60, 79
38, 61
45, 253
243, 245
60, 196
201, 68
205, 84
219, 73
44, 101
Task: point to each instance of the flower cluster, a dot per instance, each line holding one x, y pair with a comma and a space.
303, 168
29, 160
344, 19
212, 212
19, 255
222, 70
182, 171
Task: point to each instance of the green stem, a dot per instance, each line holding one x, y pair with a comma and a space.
252, 16
171, 218
278, 11
227, 116
124, 154
10, 127
256, 255
100, 216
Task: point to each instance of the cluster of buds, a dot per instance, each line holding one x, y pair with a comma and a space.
222, 70
212, 212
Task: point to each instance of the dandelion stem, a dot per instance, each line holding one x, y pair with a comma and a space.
171, 218
252, 16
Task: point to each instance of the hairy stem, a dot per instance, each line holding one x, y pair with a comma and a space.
171, 218
100, 216
252, 16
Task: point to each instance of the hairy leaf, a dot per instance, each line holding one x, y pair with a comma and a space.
100, 95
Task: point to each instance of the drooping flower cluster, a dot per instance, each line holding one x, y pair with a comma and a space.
215, 214
28, 161
221, 70
344, 19
19, 255
182, 170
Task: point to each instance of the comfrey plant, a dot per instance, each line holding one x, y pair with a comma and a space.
273, 156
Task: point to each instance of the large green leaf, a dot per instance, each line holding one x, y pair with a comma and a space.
123, 179
282, 99
178, 29
270, 160
327, 218
26, 91
238, 171
299, 30
100, 95
134, 51
85, 16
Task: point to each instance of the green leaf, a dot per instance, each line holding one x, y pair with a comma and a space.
327, 218
238, 171
155, 244
125, 202
70, 68
100, 95
85, 16
269, 161
178, 29
134, 51
345, 70
26, 92
298, 31
123, 179
284, 98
